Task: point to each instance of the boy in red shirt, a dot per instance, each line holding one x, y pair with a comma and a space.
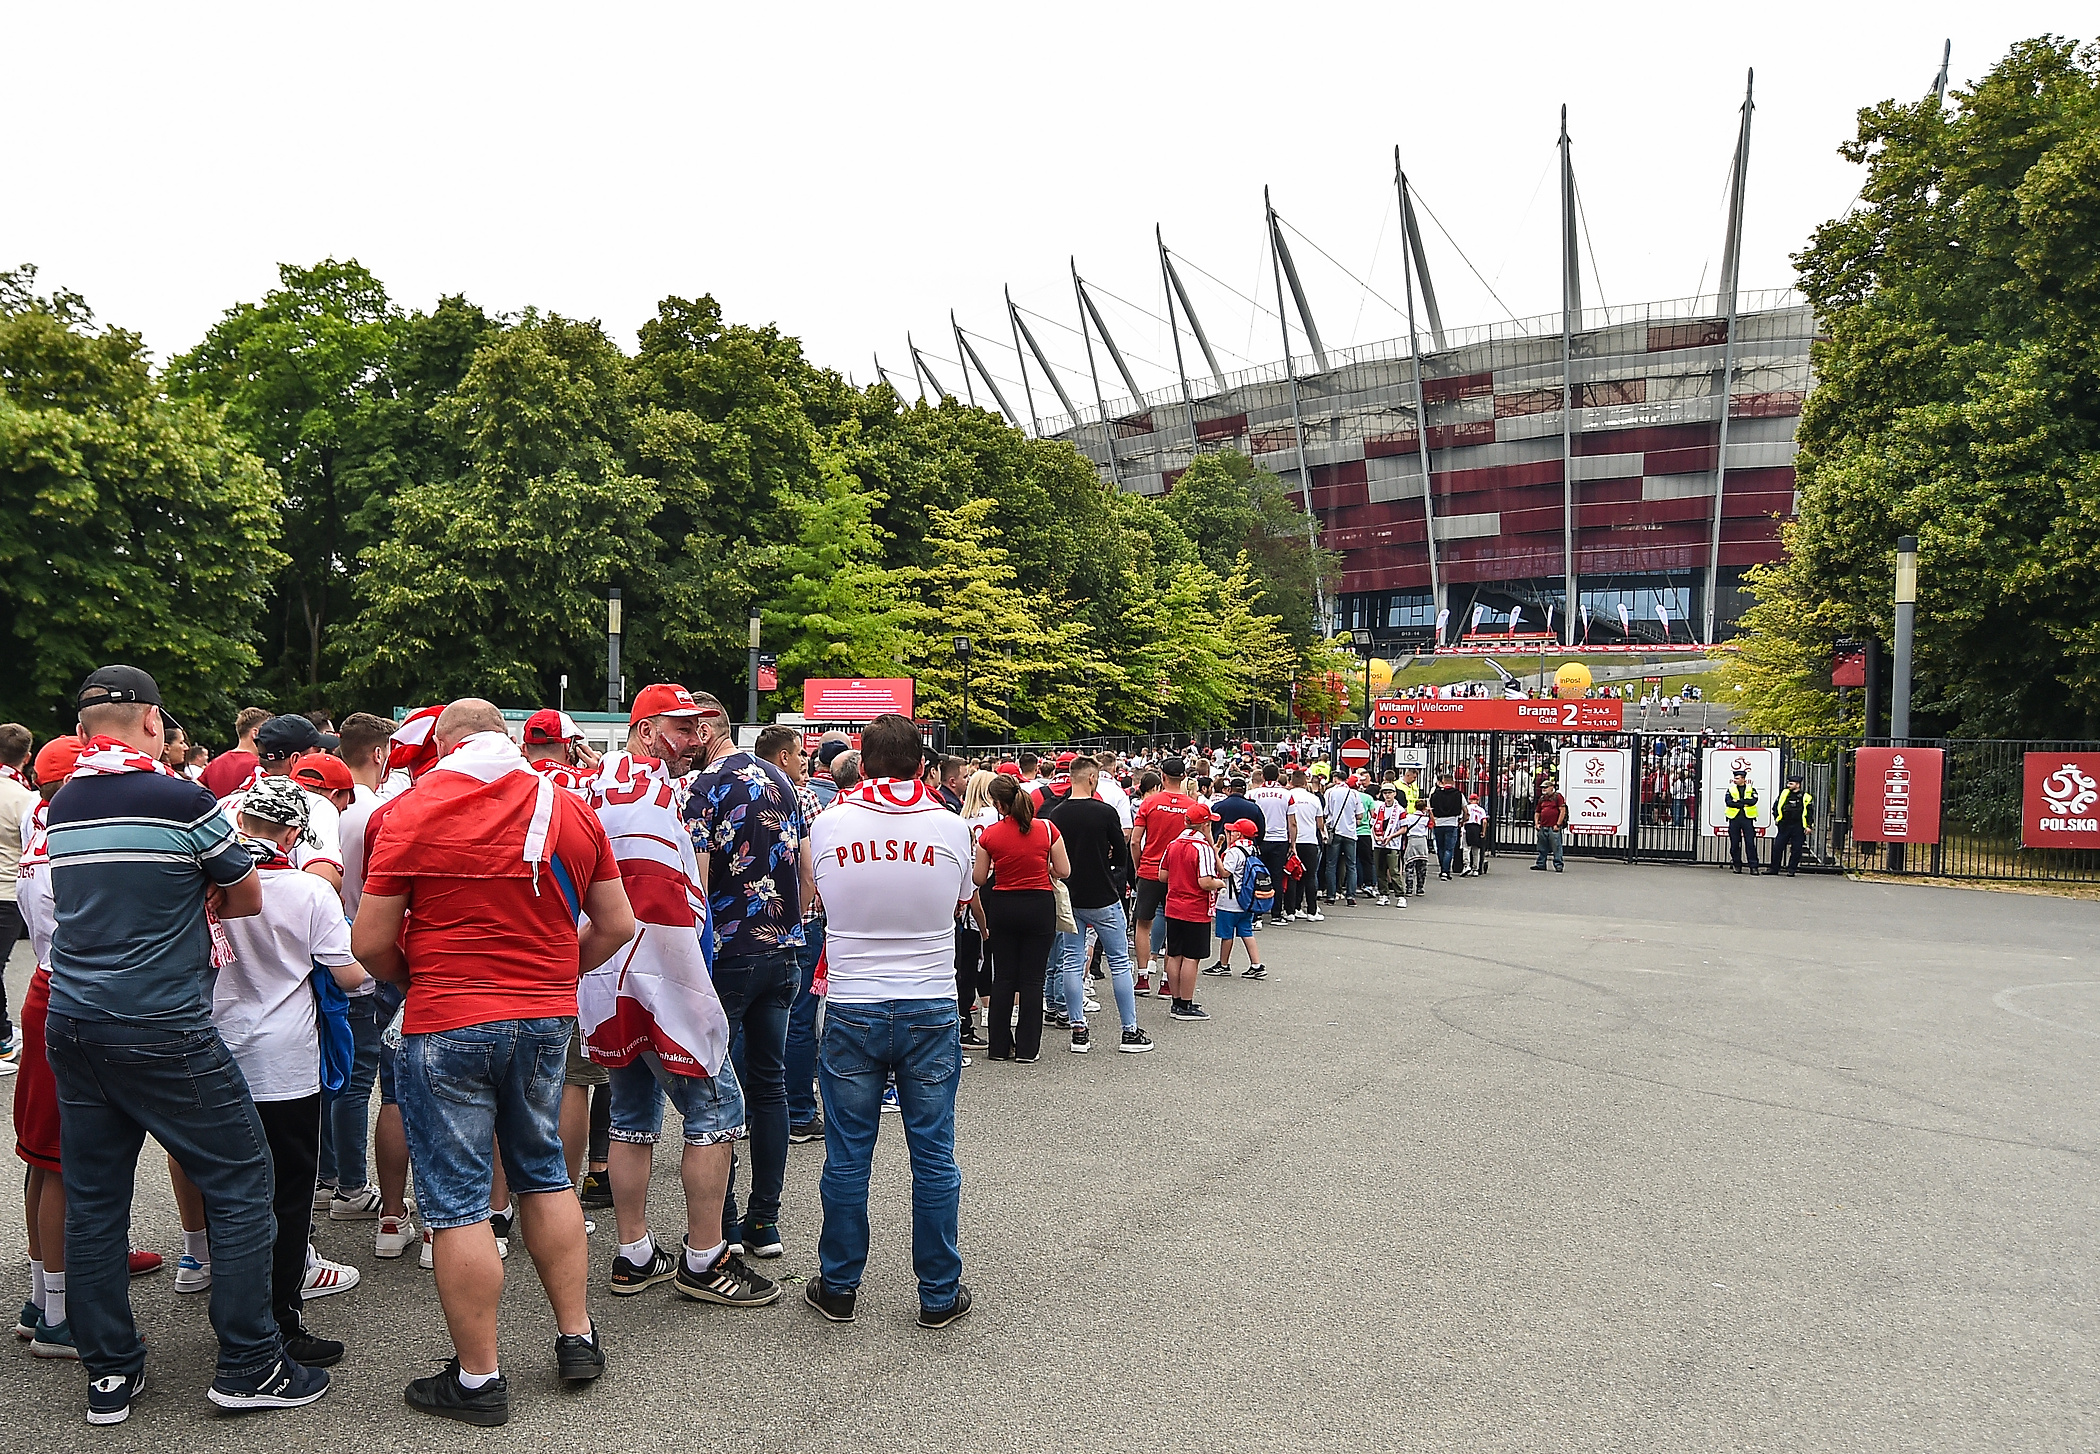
1190, 869
1154, 826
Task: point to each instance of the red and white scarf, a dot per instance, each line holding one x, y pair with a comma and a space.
894, 795
10, 773
413, 748
656, 995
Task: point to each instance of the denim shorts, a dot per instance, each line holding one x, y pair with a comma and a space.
712, 1107
1235, 924
462, 1090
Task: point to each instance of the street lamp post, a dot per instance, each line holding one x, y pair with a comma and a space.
1364, 648
751, 697
613, 694
962, 654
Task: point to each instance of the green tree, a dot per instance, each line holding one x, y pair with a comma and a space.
291, 371
1226, 504
133, 527
1030, 671
1957, 400
839, 611
492, 581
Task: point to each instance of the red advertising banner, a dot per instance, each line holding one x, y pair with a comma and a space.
2061, 807
811, 736
842, 699
1488, 714
1896, 794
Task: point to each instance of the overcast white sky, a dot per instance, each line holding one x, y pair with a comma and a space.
851, 172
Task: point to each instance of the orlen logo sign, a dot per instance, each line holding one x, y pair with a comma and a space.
2063, 789
2069, 792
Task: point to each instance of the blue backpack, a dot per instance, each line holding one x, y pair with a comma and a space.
1257, 888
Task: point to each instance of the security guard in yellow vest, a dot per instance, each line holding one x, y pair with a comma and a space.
1793, 815
1739, 807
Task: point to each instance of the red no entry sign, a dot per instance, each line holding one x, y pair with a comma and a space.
1356, 753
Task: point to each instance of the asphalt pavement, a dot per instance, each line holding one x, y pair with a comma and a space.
1626, 1158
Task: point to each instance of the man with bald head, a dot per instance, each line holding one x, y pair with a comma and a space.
488, 865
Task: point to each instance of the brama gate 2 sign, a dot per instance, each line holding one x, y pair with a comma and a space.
2061, 807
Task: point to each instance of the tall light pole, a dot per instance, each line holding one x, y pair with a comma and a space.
962, 654
751, 698
613, 693
1906, 618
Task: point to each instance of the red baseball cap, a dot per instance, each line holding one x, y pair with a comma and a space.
664, 699
1010, 769
323, 773
1196, 813
548, 725
1246, 828
1066, 759
56, 759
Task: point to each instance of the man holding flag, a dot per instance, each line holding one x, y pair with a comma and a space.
651, 1014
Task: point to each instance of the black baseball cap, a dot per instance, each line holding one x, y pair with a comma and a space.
111, 685
831, 750
1795, 777
286, 735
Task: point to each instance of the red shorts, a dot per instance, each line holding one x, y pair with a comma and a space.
36, 1093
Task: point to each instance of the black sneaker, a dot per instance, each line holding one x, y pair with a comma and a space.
304, 1347
762, 1239
970, 1036
729, 1282
1220, 968
942, 1317
837, 1306
1081, 1041
503, 1223
578, 1358
109, 1399
1135, 1042
813, 1130
596, 1190
287, 1385
1187, 1010
441, 1394
629, 1278
1057, 1019
1255, 971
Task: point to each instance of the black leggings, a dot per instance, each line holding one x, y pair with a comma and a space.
293, 1131
1024, 927
973, 967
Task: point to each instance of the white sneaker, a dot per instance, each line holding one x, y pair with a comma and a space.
1317, 918
192, 1275
1381, 901
324, 1193
394, 1237
590, 1228
1093, 1006
1305, 916
423, 1258
359, 1205
325, 1278
1399, 903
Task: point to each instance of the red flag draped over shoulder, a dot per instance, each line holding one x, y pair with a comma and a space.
657, 993
497, 823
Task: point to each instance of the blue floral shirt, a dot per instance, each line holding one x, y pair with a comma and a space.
746, 819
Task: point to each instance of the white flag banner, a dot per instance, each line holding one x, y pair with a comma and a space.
1479, 612
1662, 614
1549, 617
1515, 616
1585, 623
1443, 619
1625, 622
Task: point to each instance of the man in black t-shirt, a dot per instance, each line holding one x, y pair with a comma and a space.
1101, 867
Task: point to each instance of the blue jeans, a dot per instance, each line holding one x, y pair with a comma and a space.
1107, 922
1338, 867
864, 1044
346, 1122
757, 992
1549, 842
1446, 846
802, 1030
118, 1084
462, 1089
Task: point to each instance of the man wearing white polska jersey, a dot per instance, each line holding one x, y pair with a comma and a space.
893, 871
650, 1013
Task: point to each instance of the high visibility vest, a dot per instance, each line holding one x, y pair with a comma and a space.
1741, 804
1799, 805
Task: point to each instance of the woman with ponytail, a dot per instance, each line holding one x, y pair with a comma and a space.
1018, 858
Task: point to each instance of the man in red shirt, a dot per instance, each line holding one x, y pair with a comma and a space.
1157, 822
1192, 882
229, 771
473, 883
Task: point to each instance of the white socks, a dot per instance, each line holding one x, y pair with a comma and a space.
54, 1299
197, 1245
640, 1252
697, 1261
36, 1281
472, 1381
